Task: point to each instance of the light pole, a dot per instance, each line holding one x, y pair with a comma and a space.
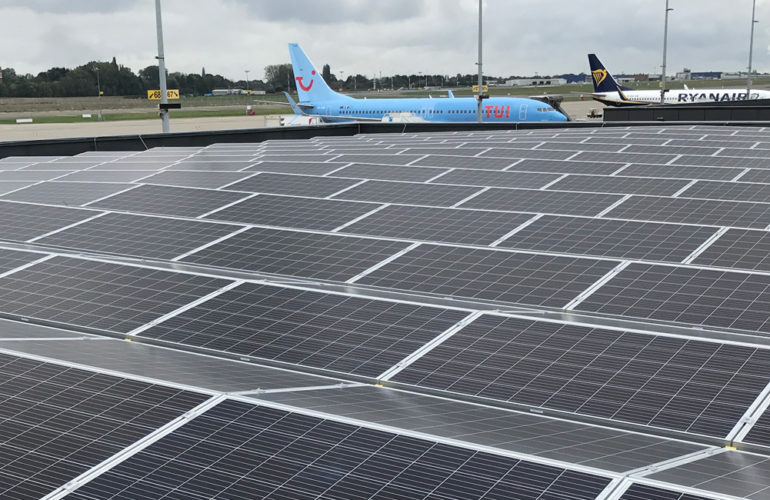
162, 71
663, 73
248, 91
98, 94
419, 73
342, 78
751, 48
481, 78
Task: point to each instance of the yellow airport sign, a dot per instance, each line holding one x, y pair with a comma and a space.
484, 89
154, 95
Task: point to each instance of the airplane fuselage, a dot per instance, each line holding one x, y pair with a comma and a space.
442, 109
677, 96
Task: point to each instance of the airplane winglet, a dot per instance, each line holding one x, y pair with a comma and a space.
294, 107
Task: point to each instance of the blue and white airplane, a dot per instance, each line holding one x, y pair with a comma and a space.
316, 99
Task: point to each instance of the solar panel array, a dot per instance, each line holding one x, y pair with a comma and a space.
548, 313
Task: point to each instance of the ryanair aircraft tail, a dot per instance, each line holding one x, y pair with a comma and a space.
311, 86
603, 80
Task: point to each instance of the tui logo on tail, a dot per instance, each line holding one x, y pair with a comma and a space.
302, 85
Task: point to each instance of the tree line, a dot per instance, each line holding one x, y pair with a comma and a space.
111, 78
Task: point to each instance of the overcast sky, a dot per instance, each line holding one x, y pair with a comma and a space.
522, 37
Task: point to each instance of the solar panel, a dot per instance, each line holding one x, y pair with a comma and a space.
701, 149
141, 163
391, 173
639, 491
210, 166
760, 431
472, 227
720, 161
645, 158
196, 178
682, 172
436, 195
334, 332
533, 200
610, 238
464, 162
140, 236
738, 248
294, 185
497, 179
753, 175
565, 167
29, 175
552, 145
694, 211
167, 200
679, 384
527, 153
238, 450
23, 221
99, 295
379, 159
738, 191
309, 255
11, 259
288, 167
66, 193
58, 422
105, 175
744, 152
623, 185
571, 442
696, 296
534, 279
306, 213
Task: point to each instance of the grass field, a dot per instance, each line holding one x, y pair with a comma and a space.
148, 115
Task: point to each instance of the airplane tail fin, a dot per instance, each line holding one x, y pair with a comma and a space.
310, 84
603, 80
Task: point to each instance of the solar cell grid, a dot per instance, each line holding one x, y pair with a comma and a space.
288, 167
381, 159
644, 492
472, 227
58, 422
295, 185
99, 295
137, 163
681, 172
168, 200
449, 149
673, 383
644, 158
464, 162
744, 153
738, 248
390, 173
199, 179
138, 235
737, 191
333, 332
436, 195
694, 211
527, 153
105, 175
760, 431
565, 167
308, 255
210, 166
23, 221
497, 179
700, 149
237, 450
287, 211
720, 161
555, 145
30, 175
66, 193
533, 200
610, 238
11, 259
534, 279
753, 175
624, 185
696, 296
